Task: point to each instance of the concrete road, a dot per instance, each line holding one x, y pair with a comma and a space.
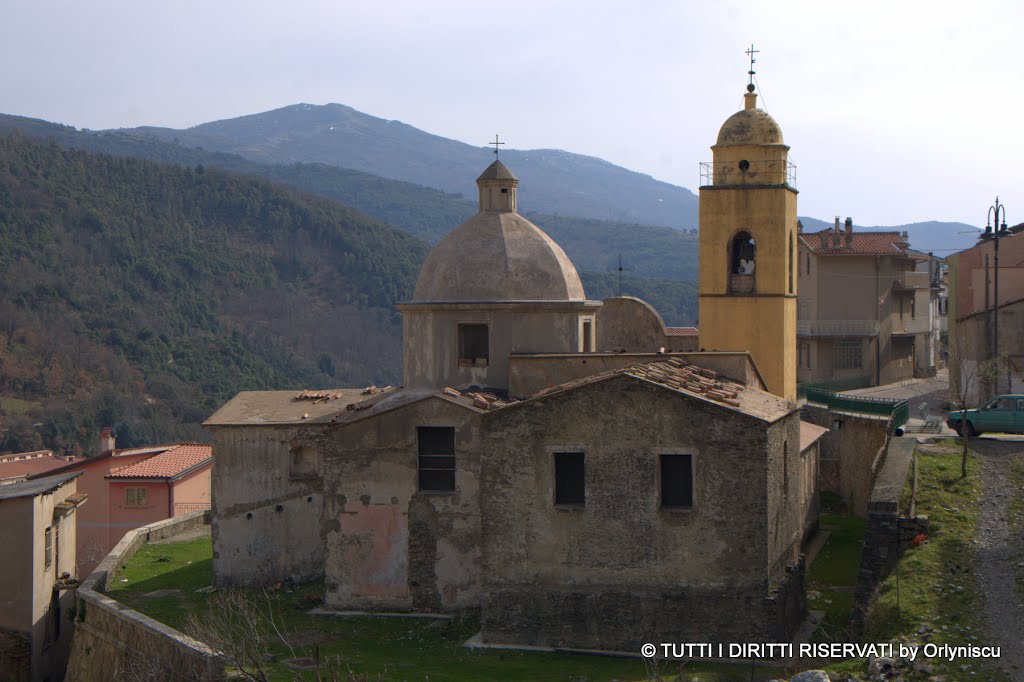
934, 391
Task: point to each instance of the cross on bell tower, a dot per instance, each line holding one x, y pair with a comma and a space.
495, 143
750, 53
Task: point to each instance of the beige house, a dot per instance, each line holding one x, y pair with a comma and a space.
972, 305
37, 575
865, 310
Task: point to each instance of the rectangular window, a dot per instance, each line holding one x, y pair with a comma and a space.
570, 482
303, 461
805, 354
474, 346
849, 354
48, 547
588, 336
436, 458
677, 481
136, 497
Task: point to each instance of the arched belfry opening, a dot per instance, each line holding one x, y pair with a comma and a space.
742, 263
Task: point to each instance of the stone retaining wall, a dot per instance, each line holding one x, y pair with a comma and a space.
888, 534
114, 642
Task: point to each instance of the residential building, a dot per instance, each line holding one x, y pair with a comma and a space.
20, 465
127, 491
36, 576
972, 313
865, 310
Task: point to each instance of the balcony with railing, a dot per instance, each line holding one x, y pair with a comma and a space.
765, 172
910, 281
836, 327
911, 325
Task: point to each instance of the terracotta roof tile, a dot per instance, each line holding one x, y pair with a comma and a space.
28, 467
863, 243
700, 382
169, 464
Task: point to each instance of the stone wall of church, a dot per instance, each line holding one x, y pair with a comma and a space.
785, 503
431, 357
267, 502
559, 575
388, 545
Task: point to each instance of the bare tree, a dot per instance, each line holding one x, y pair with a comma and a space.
241, 626
967, 376
236, 626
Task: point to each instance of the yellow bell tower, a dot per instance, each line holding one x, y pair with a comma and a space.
747, 291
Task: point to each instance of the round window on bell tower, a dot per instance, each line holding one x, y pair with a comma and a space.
744, 165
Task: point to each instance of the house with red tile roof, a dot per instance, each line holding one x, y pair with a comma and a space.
20, 465
865, 309
130, 487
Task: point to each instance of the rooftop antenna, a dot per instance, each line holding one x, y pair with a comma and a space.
495, 143
750, 53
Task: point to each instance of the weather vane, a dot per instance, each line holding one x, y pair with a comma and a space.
495, 143
750, 53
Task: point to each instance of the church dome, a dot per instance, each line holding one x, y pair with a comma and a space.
498, 256
750, 126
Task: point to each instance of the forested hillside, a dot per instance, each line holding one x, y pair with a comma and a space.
593, 245
144, 295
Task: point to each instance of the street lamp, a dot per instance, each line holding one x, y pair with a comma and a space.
994, 229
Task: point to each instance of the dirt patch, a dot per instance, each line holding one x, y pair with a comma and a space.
1001, 549
939, 449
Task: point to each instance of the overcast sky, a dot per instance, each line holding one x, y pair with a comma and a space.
895, 111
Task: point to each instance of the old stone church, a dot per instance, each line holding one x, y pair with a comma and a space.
579, 473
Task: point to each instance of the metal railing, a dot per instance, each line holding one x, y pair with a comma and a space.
834, 385
898, 410
911, 325
763, 172
911, 281
186, 507
836, 327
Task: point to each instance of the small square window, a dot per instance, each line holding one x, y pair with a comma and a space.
136, 497
677, 481
570, 479
474, 346
436, 462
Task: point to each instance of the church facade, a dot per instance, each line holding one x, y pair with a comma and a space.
578, 495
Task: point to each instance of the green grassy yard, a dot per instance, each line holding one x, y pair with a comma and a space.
384, 648
832, 576
931, 595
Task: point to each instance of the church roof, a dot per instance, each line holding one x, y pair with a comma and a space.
810, 434
256, 408
696, 382
749, 126
497, 171
498, 256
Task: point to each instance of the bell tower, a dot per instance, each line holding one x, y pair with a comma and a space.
748, 232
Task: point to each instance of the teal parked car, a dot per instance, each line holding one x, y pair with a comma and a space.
1001, 414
